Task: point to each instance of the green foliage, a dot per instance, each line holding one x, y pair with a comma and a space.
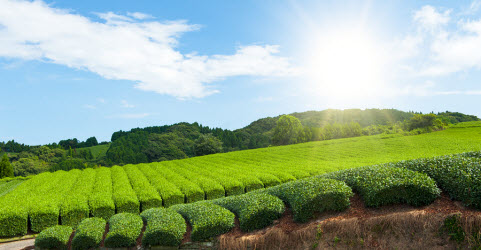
382, 185
192, 192
307, 196
169, 193
100, 200
288, 130
13, 220
211, 188
89, 234
456, 117
129, 149
427, 121
44, 211
165, 227
14, 205
124, 229
123, 195
6, 169
56, 237
6, 187
459, 176
207, 219
255, 210
146, 193
206, 145
75, 206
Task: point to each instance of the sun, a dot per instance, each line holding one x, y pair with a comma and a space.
346, 65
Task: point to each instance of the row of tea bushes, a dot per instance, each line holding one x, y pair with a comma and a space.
459, 176
380, 186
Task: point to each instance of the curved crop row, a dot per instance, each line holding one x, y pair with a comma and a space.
165, 227
75, 206
383, 185
124, 229
56, 237
169, 193
460, 177
229, 183
307, 196
89, 234
100, 200
146, 194
191, 191
14, 205
211, 188
44, 211
207, 219
123, 195
255, 210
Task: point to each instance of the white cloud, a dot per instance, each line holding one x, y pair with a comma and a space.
126, 104
443, 46
430, 18
139, 15
89, 106
129, 116
127, 48
101, 100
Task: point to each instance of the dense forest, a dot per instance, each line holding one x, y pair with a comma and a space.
183, 140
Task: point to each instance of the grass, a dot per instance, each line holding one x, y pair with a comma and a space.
99, 151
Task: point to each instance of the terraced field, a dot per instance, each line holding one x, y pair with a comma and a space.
72, 196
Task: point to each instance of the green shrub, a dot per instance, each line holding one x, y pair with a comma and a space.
207, 219
75, 206
44, 211
165, 227
460, 177
212, 188
383, 185
13, 220
191, 191
124, 196
307, 196
14, 205
255, 210
169, 193
56, 237
146, 194
100, 200
89, 234
124, 229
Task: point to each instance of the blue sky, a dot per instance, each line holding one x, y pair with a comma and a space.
89, 68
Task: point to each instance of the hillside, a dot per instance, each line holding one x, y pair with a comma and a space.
185, 140
134, 188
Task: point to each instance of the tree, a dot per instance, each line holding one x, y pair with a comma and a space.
6, 169
288, 130
207, 144
92, 141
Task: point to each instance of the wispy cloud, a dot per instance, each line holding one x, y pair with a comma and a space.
101, 100
126, 47
89, 106
129, 116
126, 104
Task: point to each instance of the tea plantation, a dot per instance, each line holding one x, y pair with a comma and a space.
277, 175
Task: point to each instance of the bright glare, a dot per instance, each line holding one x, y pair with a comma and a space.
346, 65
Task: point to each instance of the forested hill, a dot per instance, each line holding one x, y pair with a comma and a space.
183, 140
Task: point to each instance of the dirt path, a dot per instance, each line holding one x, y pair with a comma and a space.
22, 244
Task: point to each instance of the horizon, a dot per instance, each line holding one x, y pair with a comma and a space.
114, 66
